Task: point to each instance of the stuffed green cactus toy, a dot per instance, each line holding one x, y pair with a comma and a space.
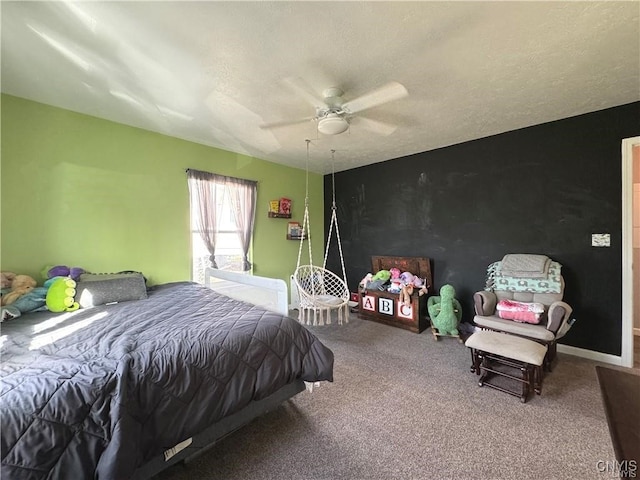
60, 296
445, 311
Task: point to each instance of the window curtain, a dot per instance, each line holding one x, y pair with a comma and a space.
204, 217
205, 189
242, 194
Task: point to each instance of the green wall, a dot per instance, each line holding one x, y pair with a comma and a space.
80, 191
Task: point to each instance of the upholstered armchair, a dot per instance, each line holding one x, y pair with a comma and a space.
497, 305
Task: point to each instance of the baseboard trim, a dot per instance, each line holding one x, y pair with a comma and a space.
590, 354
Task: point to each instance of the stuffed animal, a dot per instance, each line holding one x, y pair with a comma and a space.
60, 295
379, 280
6, 278
365, 281
395, 286
62, 271
35, 300
409, 278
445, 311
409, 281
405, 294
9, 313
382, 275
21, 285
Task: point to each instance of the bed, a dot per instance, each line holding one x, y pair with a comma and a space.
125, 390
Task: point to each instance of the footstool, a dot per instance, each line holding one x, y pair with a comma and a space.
489, 350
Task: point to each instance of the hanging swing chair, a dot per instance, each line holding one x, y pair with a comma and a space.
320, 290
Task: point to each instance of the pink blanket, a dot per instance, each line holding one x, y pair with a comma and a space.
520, 311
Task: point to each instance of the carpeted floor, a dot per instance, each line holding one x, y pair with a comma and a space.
404, 406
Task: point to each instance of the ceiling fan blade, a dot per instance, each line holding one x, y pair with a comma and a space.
386, 93
286, 123
376, 126
303, 89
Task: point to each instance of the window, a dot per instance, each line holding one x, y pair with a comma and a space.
228, 249
222, 218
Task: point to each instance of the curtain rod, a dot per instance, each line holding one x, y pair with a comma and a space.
220, 175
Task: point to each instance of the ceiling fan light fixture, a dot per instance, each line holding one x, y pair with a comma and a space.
332, 124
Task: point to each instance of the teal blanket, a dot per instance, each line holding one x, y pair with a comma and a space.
552, 283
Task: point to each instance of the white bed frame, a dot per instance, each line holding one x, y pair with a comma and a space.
269, 293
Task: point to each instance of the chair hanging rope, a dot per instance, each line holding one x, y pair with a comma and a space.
306, 225
334, 220
320, 290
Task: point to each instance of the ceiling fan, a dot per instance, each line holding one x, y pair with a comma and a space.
333, 115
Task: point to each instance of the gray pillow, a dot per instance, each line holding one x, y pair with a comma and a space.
90, 277
98, 289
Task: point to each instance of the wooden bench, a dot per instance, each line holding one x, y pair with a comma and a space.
492, 351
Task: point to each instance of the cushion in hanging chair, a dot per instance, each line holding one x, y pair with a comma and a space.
329, 300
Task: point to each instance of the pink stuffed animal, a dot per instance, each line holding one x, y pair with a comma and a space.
409, 278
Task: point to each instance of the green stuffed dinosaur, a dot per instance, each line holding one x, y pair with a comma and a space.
445, 311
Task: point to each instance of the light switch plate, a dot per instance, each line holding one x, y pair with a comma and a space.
600, 240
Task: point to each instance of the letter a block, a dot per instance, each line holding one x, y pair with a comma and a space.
369, 303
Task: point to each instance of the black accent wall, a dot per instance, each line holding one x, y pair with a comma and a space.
543, 189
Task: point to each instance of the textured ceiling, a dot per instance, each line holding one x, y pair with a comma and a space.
213, 72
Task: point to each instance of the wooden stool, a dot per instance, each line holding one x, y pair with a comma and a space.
489, 349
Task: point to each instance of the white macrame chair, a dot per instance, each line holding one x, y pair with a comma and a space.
320, 291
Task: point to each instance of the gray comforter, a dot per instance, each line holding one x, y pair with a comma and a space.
98, 393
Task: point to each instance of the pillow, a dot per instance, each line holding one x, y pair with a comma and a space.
97, 289
520, 311
89, 277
